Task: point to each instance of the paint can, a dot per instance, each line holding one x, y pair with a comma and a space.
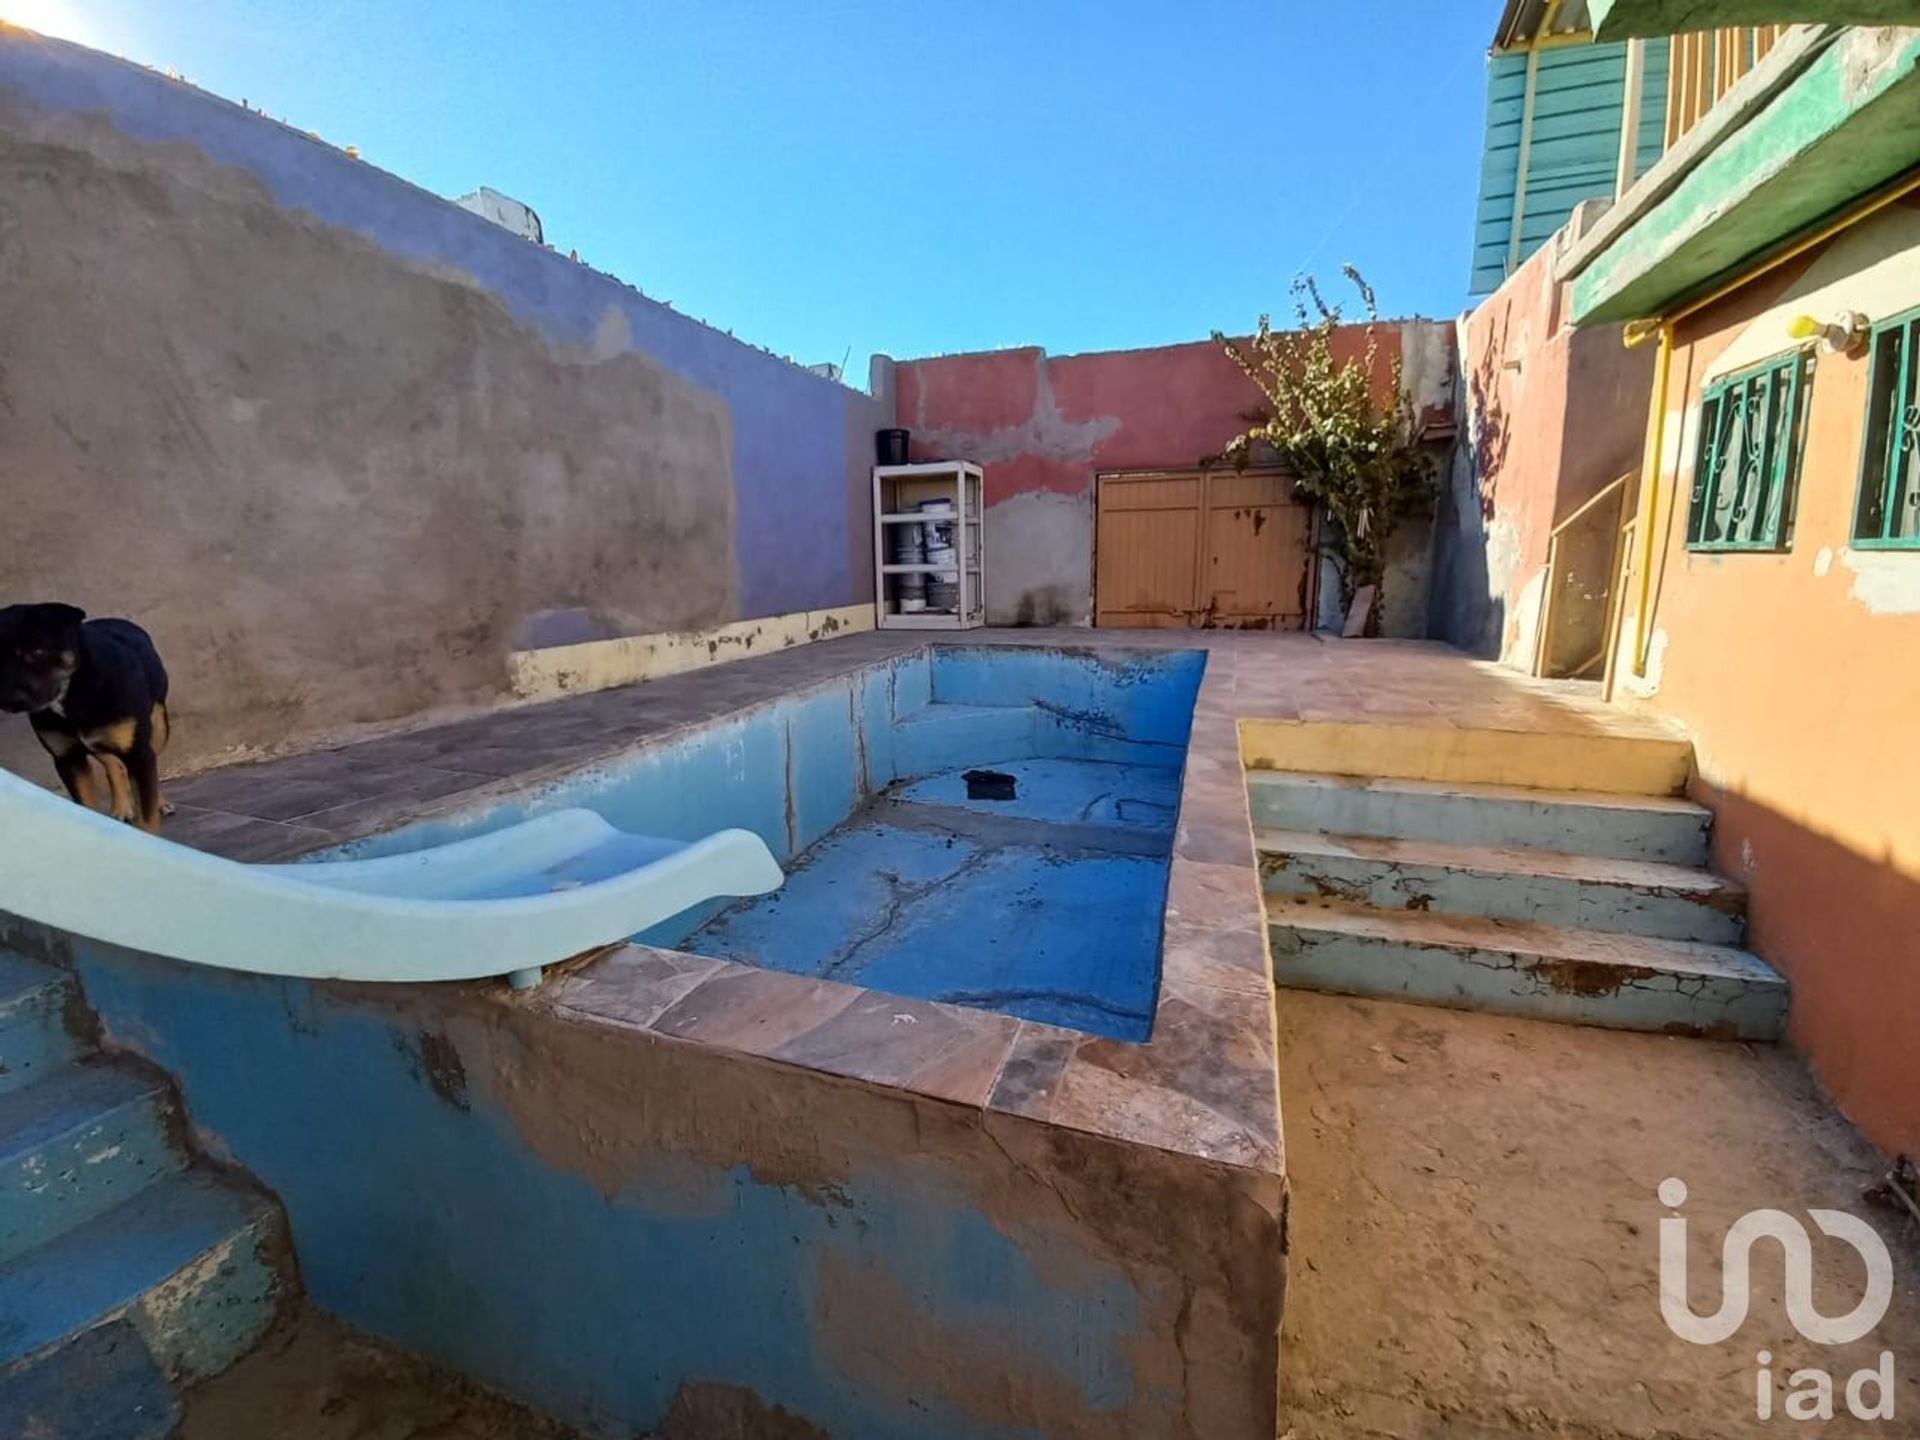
943, 595
907, 545
890, 446
939, 514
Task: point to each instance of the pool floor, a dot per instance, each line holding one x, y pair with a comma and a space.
1047, 906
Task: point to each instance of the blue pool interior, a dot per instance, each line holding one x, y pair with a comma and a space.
1046, 905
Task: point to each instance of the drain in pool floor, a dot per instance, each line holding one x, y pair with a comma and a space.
990, 785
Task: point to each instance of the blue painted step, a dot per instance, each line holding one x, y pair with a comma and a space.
1588, 892
36, 1037
190, 1262
943, 736
1576, 822
76, 1144
103, 1386
1546, 972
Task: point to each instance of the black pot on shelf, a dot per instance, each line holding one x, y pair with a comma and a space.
890, 447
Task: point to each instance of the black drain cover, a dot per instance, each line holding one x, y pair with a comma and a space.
989, 785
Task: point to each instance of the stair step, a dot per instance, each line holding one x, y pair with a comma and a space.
1578, 822
102, 1386
190, 1262
76, 1144
1548, 972
35, 1035
945, 736
1588, 892
1654, 761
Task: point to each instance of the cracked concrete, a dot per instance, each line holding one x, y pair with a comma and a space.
914, 894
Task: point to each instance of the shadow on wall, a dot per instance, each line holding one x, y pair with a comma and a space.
1840, 926
1469, 611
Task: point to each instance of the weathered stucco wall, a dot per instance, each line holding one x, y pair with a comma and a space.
1796, 674
639, 1234
1550, 415
342, 446
1046, 426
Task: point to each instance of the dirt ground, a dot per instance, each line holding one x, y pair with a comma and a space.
1475, 1230
314, 1379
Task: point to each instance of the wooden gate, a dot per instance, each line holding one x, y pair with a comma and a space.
1191, 549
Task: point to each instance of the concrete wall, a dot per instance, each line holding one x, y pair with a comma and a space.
1795, 672
1044, 427
645, 1235
1550, 415
343, 446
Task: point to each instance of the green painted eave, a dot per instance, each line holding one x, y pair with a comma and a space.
1626, 19
1845, 125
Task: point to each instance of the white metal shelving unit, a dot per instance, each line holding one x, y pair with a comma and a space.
898, 493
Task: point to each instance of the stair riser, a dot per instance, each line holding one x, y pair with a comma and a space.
35, 1037
932, 742
1505, 983
1462, 819
1551, 900
84, 1172
211, 1313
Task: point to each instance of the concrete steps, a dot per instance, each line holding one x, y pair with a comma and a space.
1660, 828
75, 1145
1586, 906
126, 1269
35, 1036
1549, 972
1636, 897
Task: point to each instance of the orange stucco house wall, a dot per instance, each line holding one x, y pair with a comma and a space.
1798, 674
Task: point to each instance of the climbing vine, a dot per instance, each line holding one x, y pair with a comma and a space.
1352, 444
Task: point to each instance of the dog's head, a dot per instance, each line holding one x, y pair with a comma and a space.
39, 651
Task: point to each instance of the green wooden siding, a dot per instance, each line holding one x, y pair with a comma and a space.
1578, 95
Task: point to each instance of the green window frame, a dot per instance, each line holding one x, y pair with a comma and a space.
1747, 464
1887, 512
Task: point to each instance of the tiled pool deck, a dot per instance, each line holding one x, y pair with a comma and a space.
1203, 1085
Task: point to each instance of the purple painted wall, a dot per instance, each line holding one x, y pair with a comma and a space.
801, 444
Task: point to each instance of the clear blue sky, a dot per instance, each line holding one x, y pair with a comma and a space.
914, 176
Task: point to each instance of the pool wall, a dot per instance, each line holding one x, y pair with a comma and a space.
705, 1224
792, 769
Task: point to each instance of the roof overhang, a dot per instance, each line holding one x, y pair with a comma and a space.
1626, 19
1522, 21
1829, 116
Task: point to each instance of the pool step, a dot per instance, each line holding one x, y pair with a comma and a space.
36, 1024
1638, 897
75, 1145
1547, 972
126, 1269
1660, 828
945, 736
191, 1262
102, 1386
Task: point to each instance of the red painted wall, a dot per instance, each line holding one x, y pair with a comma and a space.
1044, 427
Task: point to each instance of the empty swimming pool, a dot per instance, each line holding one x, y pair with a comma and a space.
986, 826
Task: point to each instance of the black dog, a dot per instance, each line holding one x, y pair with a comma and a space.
92, 689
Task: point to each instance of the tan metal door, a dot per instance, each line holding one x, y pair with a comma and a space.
1188, 549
